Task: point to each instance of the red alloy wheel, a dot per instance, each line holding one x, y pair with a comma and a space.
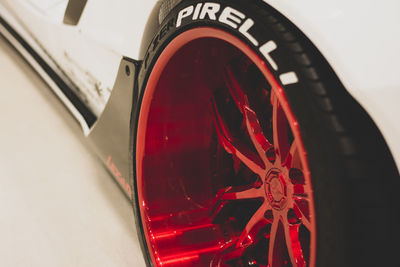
222, 173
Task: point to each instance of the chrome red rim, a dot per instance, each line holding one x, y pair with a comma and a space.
222, 173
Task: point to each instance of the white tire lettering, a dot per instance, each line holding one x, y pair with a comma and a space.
210, 9
232, 17
186, 12
288, 78
267, 48
244, 29
197, 11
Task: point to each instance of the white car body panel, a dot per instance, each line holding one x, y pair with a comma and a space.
360, 40
89, 53
28, 57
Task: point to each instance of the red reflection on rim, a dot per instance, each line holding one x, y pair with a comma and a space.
222, 172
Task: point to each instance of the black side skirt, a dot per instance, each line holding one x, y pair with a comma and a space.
87, 114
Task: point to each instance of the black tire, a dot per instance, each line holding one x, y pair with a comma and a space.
353, 174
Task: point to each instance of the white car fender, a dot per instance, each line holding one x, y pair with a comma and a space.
360, 40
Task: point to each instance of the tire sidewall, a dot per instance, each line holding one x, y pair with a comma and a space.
260, 31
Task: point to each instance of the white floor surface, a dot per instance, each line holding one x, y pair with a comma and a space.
58, 204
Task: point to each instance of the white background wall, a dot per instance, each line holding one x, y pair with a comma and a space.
58, 204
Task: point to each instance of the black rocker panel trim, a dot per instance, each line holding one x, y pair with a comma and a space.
87, 114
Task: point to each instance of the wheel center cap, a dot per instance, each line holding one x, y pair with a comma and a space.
275, 189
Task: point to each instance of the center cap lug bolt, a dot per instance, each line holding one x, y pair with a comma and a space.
269, 215
271, 156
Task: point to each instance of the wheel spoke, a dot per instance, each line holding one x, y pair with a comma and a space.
280, 130
235, 89
257, 136
256, 223
228, 253
233, 193
276, 240
240, 193
248, 237
292, 158
300, 212
293, 244
253, 126
243, 153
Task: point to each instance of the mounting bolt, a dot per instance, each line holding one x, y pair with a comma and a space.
127, 70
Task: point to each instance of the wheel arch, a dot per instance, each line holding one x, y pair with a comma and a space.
318, 24
348, 40
160, 9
